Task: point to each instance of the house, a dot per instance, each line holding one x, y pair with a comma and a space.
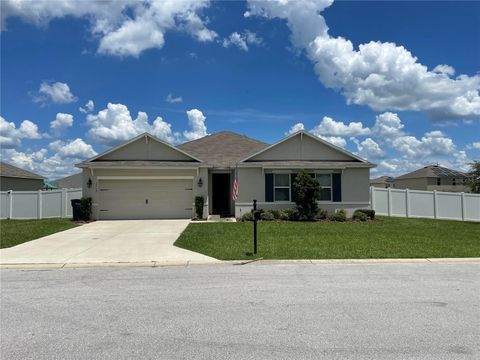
17, 179
433, 177
149, 178
382, 182
69, 182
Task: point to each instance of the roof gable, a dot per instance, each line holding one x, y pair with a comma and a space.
224, 148
303, 146
144, 147
432, 171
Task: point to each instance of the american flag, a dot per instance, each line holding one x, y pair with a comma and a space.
235, 189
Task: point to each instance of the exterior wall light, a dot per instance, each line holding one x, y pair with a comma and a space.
89, 183
200, 182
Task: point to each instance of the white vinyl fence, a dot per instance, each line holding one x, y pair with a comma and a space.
425, 204
37, 204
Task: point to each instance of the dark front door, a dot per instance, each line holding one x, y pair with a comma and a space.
221, 194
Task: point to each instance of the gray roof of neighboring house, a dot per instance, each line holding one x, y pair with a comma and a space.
9, 170
432, 171
69, 182
224, 148
382, 180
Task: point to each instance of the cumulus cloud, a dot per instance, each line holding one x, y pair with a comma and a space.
124, 28
11, 136
57, 92
172, 99
330, 127
53, 162
295, 128
475, 145
369, 149
242, 40
61, 122
388, 126
196, 121
335, 140
383, 76
88, 108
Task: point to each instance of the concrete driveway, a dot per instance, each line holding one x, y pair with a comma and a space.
131, 241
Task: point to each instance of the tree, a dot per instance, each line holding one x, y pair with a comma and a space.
474, 176
307, 192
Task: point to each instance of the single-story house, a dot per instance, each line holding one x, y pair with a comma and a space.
433, 177
147, 178
17, 179
382, 182
69, 182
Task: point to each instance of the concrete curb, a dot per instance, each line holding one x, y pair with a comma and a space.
52, 266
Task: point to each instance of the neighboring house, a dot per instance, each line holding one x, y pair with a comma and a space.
14, 178
69, 182
382, 182
433, 177
149, 178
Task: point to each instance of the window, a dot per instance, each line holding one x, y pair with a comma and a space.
438, 181
281, 186
325, 181
454, 182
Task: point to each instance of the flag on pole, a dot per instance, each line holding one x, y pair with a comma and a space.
235, 188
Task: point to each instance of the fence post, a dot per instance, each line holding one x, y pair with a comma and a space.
10, 203
372, 198
407, 203
435, 204
39, 204
64, 203
389, 201
463, 205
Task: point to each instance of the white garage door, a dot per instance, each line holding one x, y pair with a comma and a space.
145, 199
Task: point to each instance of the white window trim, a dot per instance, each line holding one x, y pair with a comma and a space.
282, 187
326, 187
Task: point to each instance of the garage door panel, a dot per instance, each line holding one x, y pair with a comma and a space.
145, 199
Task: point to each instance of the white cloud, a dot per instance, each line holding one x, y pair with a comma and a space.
11, 136
196, 121
475, 145
88, 108
388, 126
369, 149
172, 100
383, 76
55, 162
330, 127
242, 40
335, 140
295, 128
58, 93
124, 28
61, 122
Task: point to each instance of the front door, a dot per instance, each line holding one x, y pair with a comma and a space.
221, 194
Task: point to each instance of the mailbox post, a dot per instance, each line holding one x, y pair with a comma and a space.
256, 215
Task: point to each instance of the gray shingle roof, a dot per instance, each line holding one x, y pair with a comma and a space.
382, 180
432, 171
9, 170
69, 182
224, 148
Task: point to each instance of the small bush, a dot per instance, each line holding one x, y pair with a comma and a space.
247, 216
369, 212
340, 215
275, 213
322, 214
199, 201
283, 215
267, 216
359, 216
86, 208
292, 214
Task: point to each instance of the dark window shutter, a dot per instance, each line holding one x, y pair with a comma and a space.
337, 187
269, 187
292, 187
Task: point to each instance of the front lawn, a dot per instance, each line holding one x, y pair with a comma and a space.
14, 232
383, 238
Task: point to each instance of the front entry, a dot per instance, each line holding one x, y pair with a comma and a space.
221, 194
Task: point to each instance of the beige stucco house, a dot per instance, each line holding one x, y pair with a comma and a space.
17, 179
433, 177
384, 182
149, 178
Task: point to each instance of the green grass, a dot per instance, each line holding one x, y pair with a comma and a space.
383, 238
14, 232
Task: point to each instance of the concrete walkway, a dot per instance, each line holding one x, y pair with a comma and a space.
123, 241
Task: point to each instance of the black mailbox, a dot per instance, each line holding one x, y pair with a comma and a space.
256, 215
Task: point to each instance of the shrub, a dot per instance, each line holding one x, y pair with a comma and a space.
247, 216
322, 214
86, 208
267, 216
283, 215
292, 214
307, 191
340, 215
199, 201
359, 215
275, 213
369, 212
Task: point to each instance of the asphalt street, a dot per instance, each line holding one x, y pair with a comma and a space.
290, 311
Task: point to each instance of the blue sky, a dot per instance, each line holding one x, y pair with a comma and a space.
363, 75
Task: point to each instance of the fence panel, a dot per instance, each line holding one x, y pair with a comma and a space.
37, 204
426, 204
